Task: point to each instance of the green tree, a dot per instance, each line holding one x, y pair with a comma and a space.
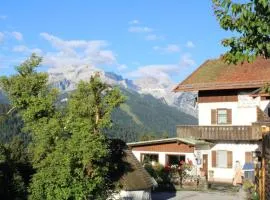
15, 170
32, 98
68, 149
147, 137
250, 21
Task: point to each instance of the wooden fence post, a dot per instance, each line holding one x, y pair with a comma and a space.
263, 179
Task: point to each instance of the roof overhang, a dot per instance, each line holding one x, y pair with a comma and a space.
188, 141
219, 86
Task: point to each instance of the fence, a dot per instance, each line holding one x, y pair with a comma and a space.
262, 178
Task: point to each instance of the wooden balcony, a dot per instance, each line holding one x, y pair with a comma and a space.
225, 133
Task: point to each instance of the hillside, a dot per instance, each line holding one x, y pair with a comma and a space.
144, 114
141, 114
9, 126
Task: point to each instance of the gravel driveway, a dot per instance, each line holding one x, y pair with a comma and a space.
198, 195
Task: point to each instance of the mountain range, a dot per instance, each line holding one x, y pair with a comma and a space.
151, 108
67, 79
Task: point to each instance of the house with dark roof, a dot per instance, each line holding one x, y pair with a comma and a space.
233, 112
135, 182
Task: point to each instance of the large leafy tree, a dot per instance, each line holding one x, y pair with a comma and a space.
68, 149
15, 169
31, 97
250, 21
82, 158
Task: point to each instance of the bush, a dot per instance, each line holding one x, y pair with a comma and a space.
158, 172
249, 187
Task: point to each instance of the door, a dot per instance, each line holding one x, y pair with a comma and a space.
205, 165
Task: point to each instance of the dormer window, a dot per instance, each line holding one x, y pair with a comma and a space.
221, 116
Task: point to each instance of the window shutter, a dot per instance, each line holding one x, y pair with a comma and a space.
248, 157
214, 158
229, 116
229, 159
213, 116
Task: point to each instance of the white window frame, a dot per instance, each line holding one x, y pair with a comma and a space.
224, 117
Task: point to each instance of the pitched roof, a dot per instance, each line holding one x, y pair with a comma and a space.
189, 141
136, 177
216, 74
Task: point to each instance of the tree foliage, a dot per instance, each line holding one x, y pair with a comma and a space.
251, 23
68, 148
15, 170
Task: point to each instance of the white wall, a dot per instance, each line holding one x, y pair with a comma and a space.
226, 174
244, 111
220, 174
134, 195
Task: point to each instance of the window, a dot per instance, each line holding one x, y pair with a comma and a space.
248, 167
222, 116
248, 157
222, 159
175, 159
149, 158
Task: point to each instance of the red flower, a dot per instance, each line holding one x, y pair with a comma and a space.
167, 167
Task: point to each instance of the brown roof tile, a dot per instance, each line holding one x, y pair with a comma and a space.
136, 178
216, 74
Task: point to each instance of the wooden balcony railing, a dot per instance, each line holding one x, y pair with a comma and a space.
220, 132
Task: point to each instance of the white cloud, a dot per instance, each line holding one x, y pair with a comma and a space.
153, 37
162, 72
140, 29
77, 52
170, 48
17, 35
190, 44
186, 60
121, 67
2, 36
25, 49
3, 17
147, 32
135, 21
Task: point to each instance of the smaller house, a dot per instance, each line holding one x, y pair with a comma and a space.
170, 151
136, 183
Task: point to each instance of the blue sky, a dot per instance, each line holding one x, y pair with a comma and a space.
132, 38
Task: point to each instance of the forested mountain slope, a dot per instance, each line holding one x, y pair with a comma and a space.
139, 115
144, 114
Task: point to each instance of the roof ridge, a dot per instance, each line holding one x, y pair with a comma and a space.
213, 72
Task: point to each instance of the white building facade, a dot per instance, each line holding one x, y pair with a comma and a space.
231, 109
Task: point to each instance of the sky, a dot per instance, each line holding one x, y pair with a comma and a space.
159, 38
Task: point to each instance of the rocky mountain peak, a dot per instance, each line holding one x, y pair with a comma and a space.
68, 78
